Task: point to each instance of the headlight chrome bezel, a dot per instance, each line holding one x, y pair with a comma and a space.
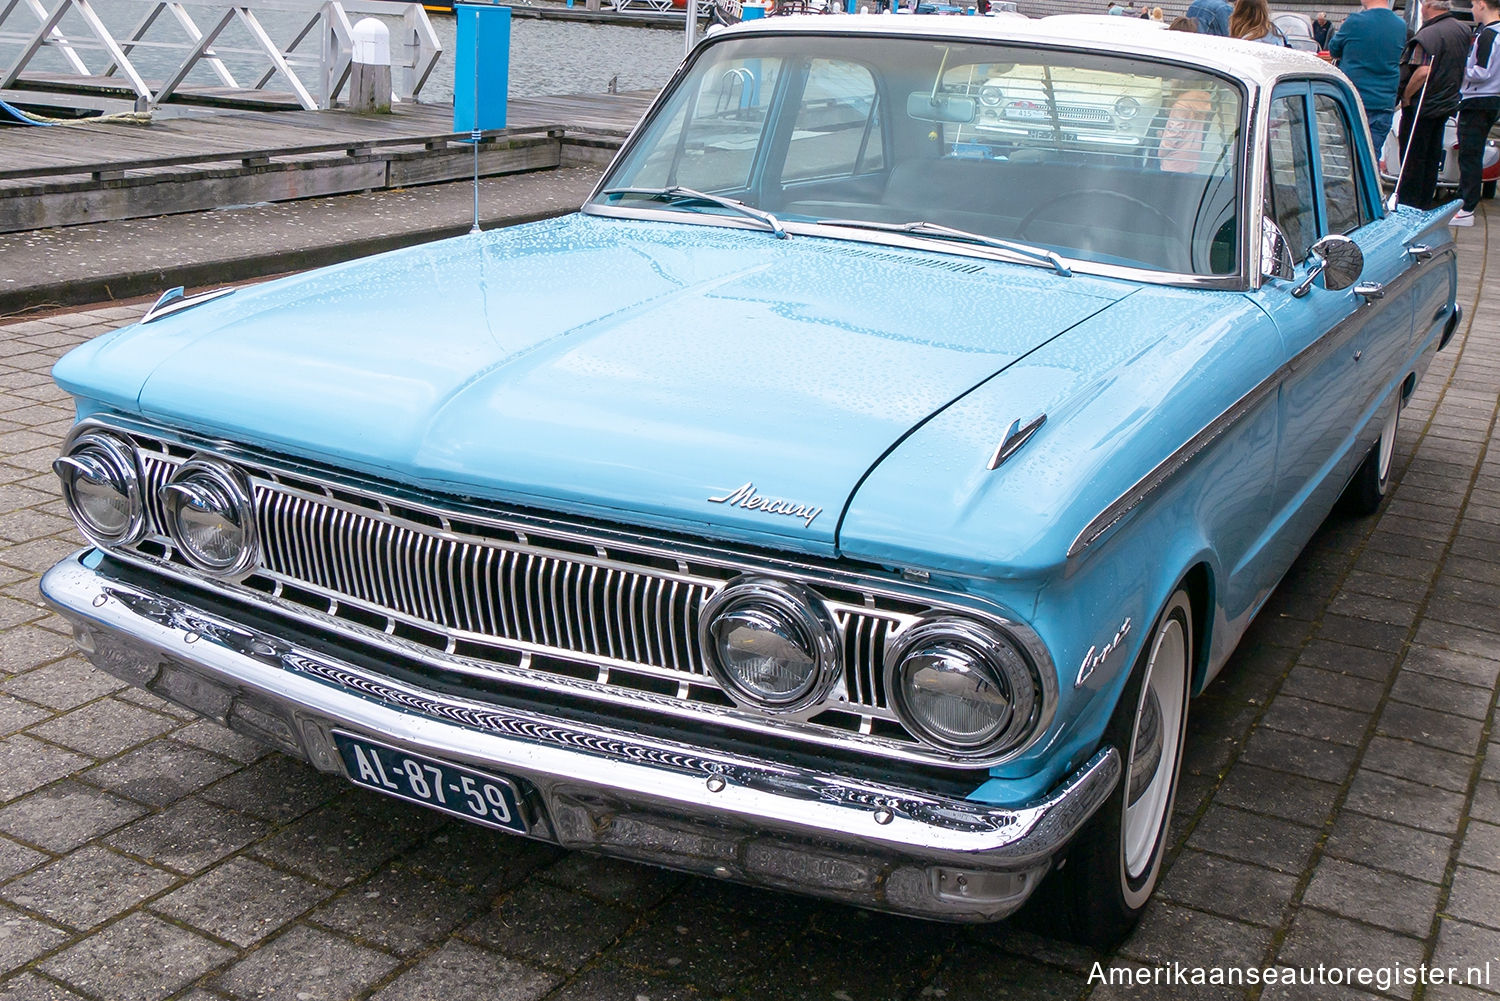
224, 488
92, 453
1031, 701
796, 606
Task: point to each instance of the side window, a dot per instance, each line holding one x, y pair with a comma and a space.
1341, 200
1289, 185
711, 140
838, 130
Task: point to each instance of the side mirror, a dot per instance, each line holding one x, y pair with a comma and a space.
1275, 255
1337, 259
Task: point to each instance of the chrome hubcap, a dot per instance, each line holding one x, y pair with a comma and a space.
1388, 443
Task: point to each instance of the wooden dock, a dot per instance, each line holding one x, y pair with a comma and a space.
71, 174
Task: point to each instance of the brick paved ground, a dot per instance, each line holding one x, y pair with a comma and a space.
1341, 802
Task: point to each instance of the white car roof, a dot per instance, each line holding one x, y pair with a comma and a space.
1254, 62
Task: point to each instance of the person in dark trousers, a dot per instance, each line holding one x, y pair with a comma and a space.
1436, 57
1322, 29
1212, 16
1367, 47
1479, 107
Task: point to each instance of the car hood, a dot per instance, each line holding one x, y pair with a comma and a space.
691, 377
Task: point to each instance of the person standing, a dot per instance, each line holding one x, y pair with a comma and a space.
1367, 47
1436, 56
1322, 29
1212, 16
1251, 21
1479, 107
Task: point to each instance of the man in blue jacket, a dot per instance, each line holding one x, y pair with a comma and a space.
1479, 108
1212, 16
1367, 47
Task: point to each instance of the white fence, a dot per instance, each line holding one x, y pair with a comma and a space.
313, 66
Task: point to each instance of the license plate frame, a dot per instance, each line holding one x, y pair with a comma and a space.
450, 788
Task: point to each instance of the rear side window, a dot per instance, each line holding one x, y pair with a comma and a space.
1289, 180
1341, 198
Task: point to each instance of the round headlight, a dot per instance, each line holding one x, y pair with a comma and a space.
962, 686
1127, 107
990, 95
211, 517
101, 484
771, 644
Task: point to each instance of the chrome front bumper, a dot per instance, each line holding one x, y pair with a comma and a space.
619, 793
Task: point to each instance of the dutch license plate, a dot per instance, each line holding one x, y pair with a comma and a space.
486, 799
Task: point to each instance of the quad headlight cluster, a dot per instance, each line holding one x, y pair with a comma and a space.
207, 506
961, 685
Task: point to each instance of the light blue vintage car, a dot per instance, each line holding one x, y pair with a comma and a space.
847, 500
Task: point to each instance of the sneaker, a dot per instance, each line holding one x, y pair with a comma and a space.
1462, 217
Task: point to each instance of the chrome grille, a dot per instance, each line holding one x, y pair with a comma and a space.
557, 604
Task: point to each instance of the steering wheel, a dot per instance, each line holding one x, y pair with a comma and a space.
1166, 221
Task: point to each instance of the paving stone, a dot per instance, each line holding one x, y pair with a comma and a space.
461, 972
64, 816
467, 855
307, 965
1233, 889
1316, 938
1362, 633
1485, 804
1468, 948
1344, 659
1406, 802
1404, 758
28, 646
1347, 691
549, 926
611, 980
1312, 757
624, 884
1444, 731
190, 836
276, 788
104, 728
1481, 846
23, 939
1392, 847
815, 965
159, 773
241, 901
86, 888
1441, 695
31, 987
1475, 897
401, 910
210, 736
1375, 897
1315, 719
1446, 635
64, 684
1276, 793
138, 958
335, 844
1247, 837
1170, 934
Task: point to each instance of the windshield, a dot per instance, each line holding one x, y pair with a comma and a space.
1094, 157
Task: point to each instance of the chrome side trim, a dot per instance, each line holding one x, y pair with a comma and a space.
729, 813
1174, 463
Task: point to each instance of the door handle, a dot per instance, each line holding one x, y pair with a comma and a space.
1370, 291
1420, 251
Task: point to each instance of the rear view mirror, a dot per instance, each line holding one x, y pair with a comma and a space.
927, 107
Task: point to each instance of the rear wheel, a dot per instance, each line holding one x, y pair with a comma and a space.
1373, 478
1113, 867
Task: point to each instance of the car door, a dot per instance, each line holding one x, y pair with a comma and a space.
1342, 347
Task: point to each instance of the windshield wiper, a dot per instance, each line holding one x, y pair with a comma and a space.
677, 192
1060, 264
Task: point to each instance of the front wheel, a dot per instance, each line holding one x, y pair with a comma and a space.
1112, 868
1372, 480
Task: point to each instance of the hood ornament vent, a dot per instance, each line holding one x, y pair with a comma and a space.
1015, 437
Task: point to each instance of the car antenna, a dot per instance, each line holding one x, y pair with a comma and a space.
1411, 133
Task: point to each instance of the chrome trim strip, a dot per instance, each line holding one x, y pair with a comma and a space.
294, 696
407, 602
1175, 462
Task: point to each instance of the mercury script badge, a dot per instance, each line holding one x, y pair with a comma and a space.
746, 497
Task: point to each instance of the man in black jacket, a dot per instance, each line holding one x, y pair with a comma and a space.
1436, 57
